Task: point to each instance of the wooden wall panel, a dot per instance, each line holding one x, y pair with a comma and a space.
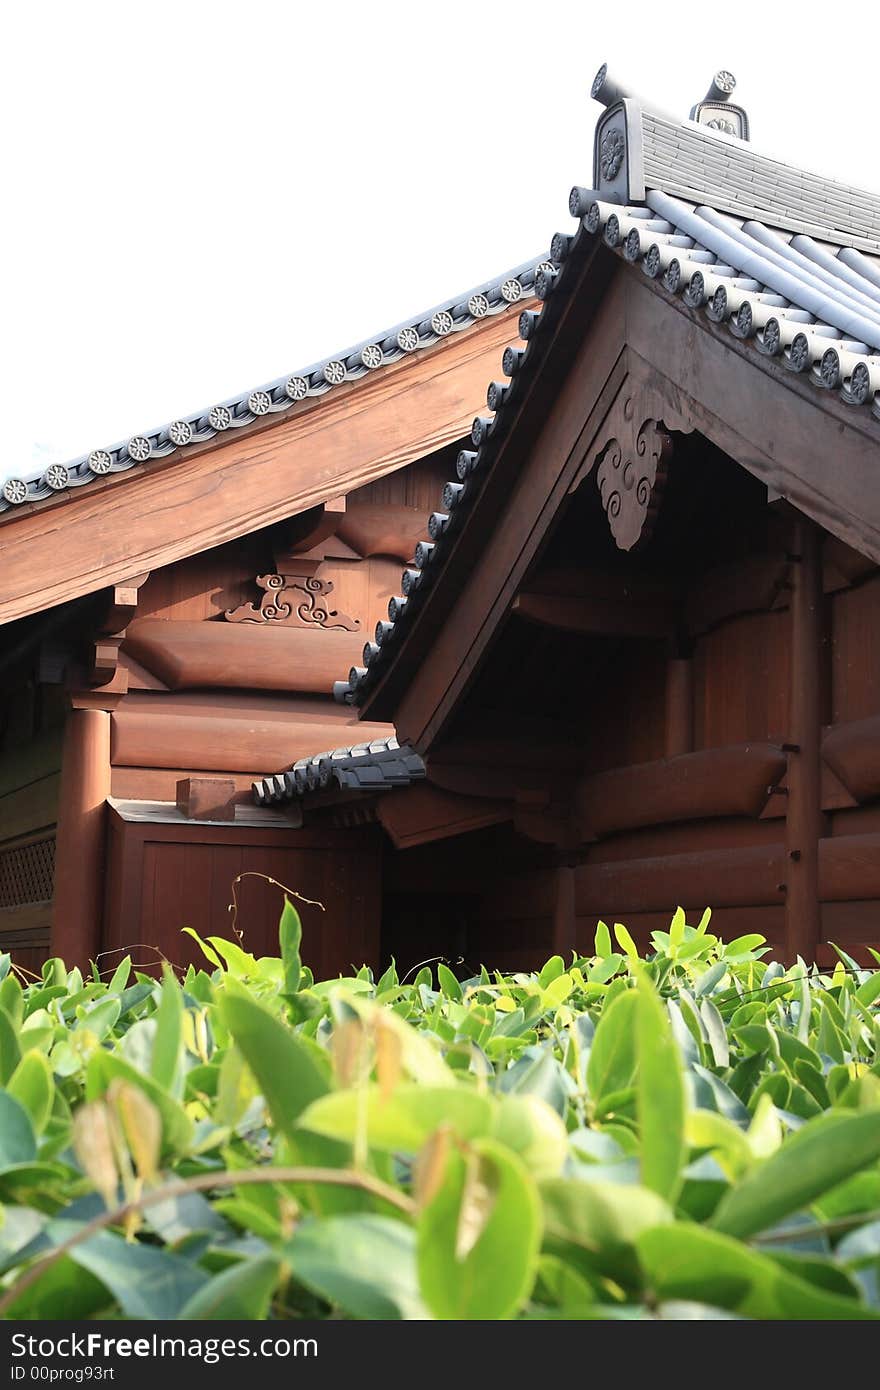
625, 710
741, 681
855, 652
164, 877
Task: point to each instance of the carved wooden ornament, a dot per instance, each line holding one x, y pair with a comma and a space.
294, 600
632, 450
631, 477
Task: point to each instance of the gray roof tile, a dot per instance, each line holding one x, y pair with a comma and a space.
368, 767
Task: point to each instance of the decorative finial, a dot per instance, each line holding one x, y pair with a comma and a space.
718, 112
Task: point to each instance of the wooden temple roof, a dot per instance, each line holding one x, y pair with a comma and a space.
277, 398
786, 262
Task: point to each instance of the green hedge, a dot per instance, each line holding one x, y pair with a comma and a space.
692, 1135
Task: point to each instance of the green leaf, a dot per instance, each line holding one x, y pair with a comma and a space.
145, 1281
478, 1238
33, 1086
403, 1120
17, 1142
285, 1069
207, 951
551, 970
625, 941
596, 1223
10, 1050
676, 929
448, 983
602, 941
688, 1262
870, 990
290, 937
242, 1291
177, 1128
365, 1264
534, 1131
168, 1042
661, 1098
822, 1154
613, 1055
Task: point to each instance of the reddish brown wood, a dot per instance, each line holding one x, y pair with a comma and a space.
206, 798
715, 878
804, 817
564, 925
208, 494
718, 782
849, 868
169, 876
79, 855
250, 656
595, 615
852, 751
377, 528
751, 585
210, 733
679, 706
424, 813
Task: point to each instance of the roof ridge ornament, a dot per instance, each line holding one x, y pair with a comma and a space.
718, 112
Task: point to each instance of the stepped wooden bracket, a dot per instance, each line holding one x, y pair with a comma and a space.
104, 669
295, 601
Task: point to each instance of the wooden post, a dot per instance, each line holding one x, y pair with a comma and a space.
77, 909
679, 706
563, 911
803, 826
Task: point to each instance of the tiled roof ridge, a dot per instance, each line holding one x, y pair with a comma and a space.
826, 326
375, 766
423, 330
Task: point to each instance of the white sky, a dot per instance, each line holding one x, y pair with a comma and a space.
203, 195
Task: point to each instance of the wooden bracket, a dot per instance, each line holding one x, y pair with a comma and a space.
631, 477
104, 670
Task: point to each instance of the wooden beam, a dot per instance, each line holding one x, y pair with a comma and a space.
419, 814
200, 497
564, 922
189, 655
803, 825
598, 616
213, 733
79, 855
695, 786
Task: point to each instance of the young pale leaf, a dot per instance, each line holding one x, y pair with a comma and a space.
489, 1274
10, 1050
448, 983
404, 1121
661, 1096
625, 941
602, 941
290, 935
826, 1151
285, 1069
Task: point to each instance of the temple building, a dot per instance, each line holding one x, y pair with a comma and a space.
632, 660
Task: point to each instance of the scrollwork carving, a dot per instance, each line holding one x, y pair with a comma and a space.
296, 601
631, 467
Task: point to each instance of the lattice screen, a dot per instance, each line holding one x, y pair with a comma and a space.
27, 872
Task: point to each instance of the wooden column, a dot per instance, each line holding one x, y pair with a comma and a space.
803, 824
563, 912
79, 856
679, 706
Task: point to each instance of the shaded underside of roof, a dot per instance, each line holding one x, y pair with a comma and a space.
364, 767
810, 301
424, 330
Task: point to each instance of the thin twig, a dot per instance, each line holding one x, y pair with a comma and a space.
205, 1182
827, 1228
254, 873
